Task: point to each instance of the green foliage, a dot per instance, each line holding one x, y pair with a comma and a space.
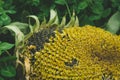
116, 4
7, 58
5, 46
21, 32
60, 2
1, 78
82, 5
88, 11
5, 10
8, 71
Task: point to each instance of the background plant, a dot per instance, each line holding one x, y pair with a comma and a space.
102, 13
5, 11
7, 67
88, 11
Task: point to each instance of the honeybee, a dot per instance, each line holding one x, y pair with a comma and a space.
71, 63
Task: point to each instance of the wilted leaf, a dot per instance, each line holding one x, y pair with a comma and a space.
71, 22
19, 36
113, 24
53, 17
76, 21
5, 46
27, 65
8, 71
22, 26
63, 22
36, 27
53, 14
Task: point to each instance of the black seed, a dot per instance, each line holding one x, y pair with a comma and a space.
38, 39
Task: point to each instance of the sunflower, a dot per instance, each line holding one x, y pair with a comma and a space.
78, 53
74, 53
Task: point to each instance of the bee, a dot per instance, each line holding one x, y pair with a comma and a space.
71, 63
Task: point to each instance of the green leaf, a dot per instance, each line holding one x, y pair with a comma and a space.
82, 5
8, 58
97, 8
1, 2
1, 22
113, 24
60, 2
106, 12
1, 10
94, 17
1, 78
8, 71
10, 11
85, 20
5, 46
6, 19
35, 2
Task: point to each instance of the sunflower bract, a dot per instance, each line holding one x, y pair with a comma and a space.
78, 53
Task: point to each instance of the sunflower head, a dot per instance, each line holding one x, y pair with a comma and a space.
70, 52
78, 53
